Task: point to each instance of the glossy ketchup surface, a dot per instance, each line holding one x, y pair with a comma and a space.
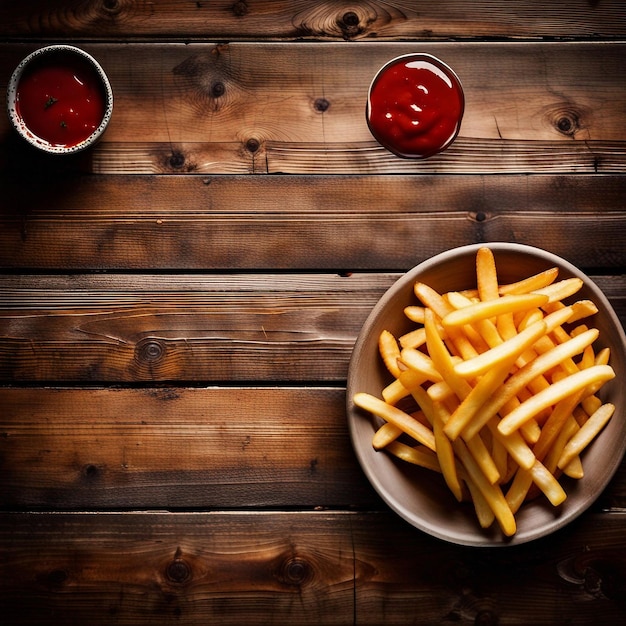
415, 106
61, 99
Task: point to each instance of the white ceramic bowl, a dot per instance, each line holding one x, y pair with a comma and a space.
420, 496
91, 73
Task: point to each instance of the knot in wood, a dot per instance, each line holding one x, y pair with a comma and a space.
350, 24
240, 8
177, 160
218, 89
568, 123
350, 19
90, 470
252, 145
321, 105
149, 351
486, 618
592, 581
478, 216
111, 7
178, 571
57, 577
567, 119
296, 571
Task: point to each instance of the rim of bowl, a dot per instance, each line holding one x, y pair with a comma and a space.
19, 125
354, 426
436, 61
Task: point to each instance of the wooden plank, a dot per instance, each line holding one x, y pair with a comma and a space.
300, 568
266, 19
250, 108
467, 155
187, 448
178, 448
194, 330
191, 328
336, 223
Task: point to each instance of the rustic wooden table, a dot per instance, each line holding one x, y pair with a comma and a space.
178, 306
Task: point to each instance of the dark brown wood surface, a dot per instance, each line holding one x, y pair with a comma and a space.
178, 306
300, 567
237, 108
283, 19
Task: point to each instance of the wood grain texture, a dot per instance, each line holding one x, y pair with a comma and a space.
243, 108
310, 223
178, 448
294, 328
191, 328
466, 155
178, 306
271, 19
187, 448
299, 568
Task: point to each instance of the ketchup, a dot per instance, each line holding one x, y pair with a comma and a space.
415, 106
61, 99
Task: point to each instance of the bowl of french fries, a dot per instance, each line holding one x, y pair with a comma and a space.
485, 394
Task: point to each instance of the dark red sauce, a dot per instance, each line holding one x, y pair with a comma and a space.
61, 99
415, 106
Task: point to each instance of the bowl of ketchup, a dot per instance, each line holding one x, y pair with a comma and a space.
59, 99
415, 105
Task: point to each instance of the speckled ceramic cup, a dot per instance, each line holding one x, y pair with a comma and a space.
54, 106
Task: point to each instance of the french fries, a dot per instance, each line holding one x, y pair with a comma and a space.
502, 382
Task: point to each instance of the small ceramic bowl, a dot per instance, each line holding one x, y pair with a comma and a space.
420, 496
59, 99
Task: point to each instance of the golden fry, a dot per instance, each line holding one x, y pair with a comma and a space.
554, 394
515, 445
415, 313
518, 489
418, 455
484, 513
524, 376
432, 299
413, 339
574, 469
546, 481
445, 453
443, 359
570, 428
501, 458
387, 433
438, 392
477, 397
396, 416
486, 275
492, 493
532, 283
562, 411
483, 459
561, 290
421, 363
495, 356
389, 351
492, 308
586, 433
395, 391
